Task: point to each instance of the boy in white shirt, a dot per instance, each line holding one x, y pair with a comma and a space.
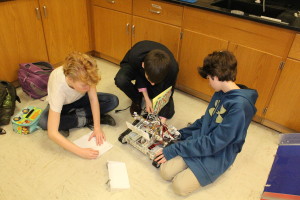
74, 102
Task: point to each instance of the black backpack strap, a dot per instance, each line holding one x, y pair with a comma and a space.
44, 65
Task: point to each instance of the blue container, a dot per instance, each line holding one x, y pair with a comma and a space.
26, 121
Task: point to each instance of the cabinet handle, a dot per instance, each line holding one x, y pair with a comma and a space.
37, 11
133, 30
45, 11
111, 1
156, 6
127, 28
154, 11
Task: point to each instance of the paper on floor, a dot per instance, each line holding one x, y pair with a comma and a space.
84, 143
117, 174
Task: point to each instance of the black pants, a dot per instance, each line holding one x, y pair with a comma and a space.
69, 119
123, 81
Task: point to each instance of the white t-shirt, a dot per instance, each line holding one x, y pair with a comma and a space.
59, 92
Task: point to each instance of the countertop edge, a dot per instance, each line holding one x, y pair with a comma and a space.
203, 6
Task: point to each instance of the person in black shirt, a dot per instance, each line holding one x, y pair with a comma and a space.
154, 69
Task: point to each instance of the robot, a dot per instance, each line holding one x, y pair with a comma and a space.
149, 135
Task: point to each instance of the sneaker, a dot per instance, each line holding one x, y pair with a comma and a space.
135, 107
107, 119
65, 133
2, 131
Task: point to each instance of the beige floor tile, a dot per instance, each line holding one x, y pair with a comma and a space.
33, 167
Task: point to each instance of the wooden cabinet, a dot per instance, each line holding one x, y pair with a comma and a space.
166, 34
118, 26
258, 70
45, 30
21, 36
295, 49
284, 112
256, 35
65, 27
259, 49
113, 36
118, 5
157, 21
112, 27
195, 47
158, 11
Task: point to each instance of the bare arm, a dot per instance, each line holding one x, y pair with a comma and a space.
149, 108
100, 137
53, 134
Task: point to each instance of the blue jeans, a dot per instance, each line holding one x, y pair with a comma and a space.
68, 116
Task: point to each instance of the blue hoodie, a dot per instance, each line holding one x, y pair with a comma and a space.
210, 145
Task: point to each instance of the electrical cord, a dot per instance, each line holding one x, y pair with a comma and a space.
116, 111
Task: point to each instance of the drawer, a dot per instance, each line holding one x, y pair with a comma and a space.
255, 35
295, 49
119, 5
156, 10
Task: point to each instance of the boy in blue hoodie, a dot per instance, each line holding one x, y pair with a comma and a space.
210, 145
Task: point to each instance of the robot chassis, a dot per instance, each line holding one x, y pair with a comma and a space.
149, 135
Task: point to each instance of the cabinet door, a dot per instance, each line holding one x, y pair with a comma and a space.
66, 27
257, 70
21, 37
295, 49
145, 29
284, 106
194, 48
112, 32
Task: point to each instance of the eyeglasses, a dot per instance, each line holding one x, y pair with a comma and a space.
2, 131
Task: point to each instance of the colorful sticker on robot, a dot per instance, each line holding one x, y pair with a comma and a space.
161, 100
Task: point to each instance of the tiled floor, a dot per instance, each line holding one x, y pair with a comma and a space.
32, 167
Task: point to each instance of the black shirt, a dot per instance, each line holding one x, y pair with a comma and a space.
136, 55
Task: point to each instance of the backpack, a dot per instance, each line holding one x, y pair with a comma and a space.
33, 78
8, 97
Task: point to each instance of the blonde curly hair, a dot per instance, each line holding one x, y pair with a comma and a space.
81, 67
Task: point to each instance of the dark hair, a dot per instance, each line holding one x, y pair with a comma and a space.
221, 64
156, 65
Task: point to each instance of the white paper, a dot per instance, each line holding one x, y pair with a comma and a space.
84, 143
118, 177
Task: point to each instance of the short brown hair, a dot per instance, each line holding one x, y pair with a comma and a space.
81, 67
221, 64
156, 65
